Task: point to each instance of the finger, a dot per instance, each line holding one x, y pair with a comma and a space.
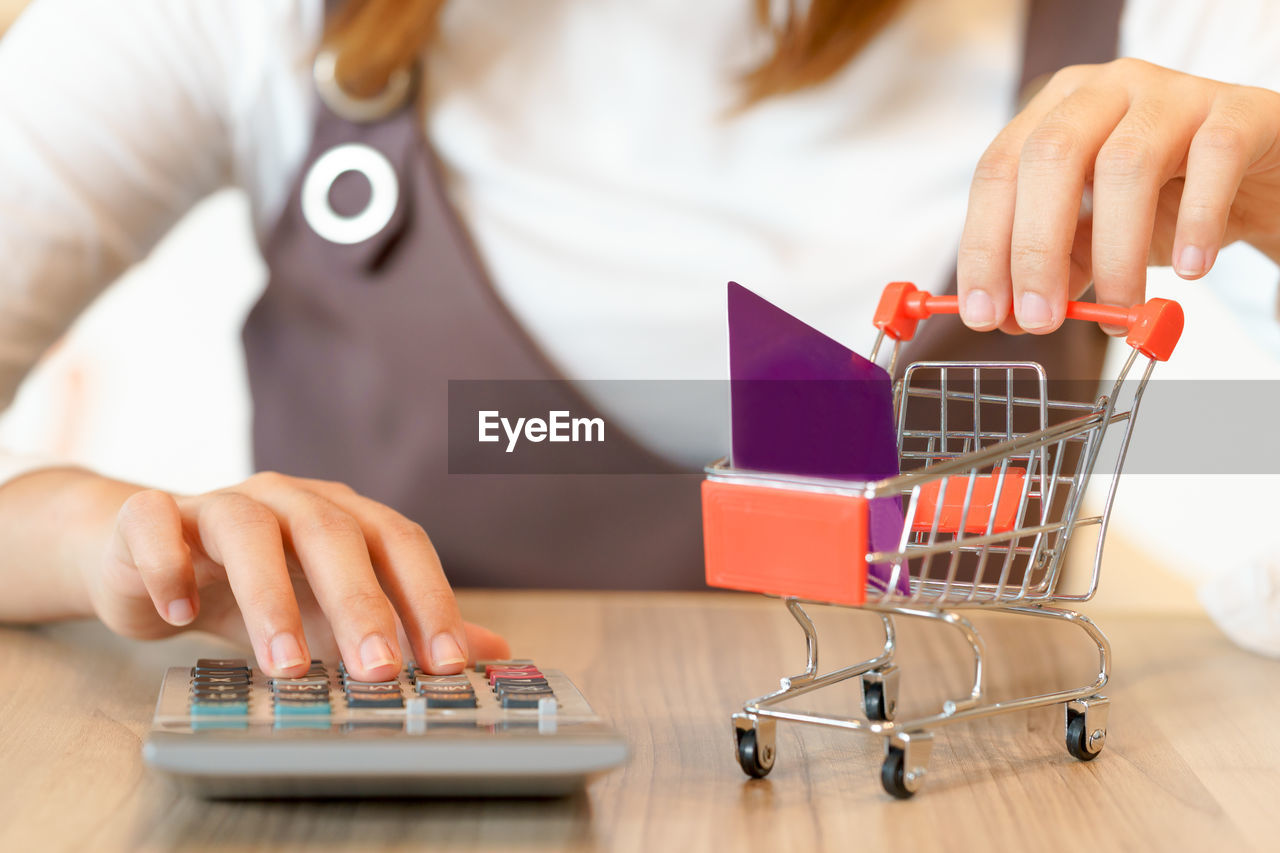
485, 644
1055, 161
243, 537
1233, 137
983, 282
1081, 275
331, 548
149, 537
409, 569
1138, 158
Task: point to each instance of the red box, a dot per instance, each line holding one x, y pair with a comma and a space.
785, 542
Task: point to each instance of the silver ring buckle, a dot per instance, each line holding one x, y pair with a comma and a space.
364, 110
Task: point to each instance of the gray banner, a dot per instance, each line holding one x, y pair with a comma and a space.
1183, 427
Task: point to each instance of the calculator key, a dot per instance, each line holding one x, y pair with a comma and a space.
206, 695
222, 663
206, 670
199, 724
208, 698
527, 682
445, 688
373, 686
220, 709
301, 692
375, 701
482, 666
347, 679
306, 679
311, 708
497, 668
518, 701
500, 689
494, 675
218, 698
220, 721
220, 689
392, 687
449, 700
524, 690
290, 683
385, 688
201, 680
442, 679
196, 672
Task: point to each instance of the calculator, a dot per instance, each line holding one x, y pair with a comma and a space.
503, 728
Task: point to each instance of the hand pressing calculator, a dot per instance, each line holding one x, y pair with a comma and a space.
506, 728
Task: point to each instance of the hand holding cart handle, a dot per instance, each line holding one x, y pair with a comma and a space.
1153, 328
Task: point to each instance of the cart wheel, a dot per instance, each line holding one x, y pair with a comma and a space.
893, 775
873, 702
880, 693
755, 756
1079, 737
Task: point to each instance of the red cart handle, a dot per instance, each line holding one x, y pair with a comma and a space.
1153, 329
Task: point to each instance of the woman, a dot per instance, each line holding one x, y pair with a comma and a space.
602, 169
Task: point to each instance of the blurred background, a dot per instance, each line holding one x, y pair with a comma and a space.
173, 323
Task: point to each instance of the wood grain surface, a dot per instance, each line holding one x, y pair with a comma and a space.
1192, 758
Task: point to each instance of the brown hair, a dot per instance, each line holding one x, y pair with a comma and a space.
375, 38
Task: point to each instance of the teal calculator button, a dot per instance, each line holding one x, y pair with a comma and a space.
302, 709
219, 709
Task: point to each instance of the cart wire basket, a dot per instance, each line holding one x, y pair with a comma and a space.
991, 493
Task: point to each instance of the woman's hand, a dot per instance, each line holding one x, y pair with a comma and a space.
1111, 168
298, 567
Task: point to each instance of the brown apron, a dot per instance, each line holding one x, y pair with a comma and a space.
351, 348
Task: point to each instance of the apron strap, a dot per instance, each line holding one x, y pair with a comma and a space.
1059, 34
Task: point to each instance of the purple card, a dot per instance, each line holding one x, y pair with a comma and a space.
803, 403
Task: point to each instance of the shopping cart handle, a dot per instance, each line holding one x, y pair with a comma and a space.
1153, 328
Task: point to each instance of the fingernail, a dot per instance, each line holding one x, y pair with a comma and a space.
979, 309
1034, 312
286, 651
1191, 261
375, 651
181, 612
445, 651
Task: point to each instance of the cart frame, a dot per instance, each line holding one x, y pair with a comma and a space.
1030, 550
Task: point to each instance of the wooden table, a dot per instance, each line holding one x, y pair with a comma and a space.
1192, 756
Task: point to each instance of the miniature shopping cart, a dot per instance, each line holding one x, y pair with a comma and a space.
991, 493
